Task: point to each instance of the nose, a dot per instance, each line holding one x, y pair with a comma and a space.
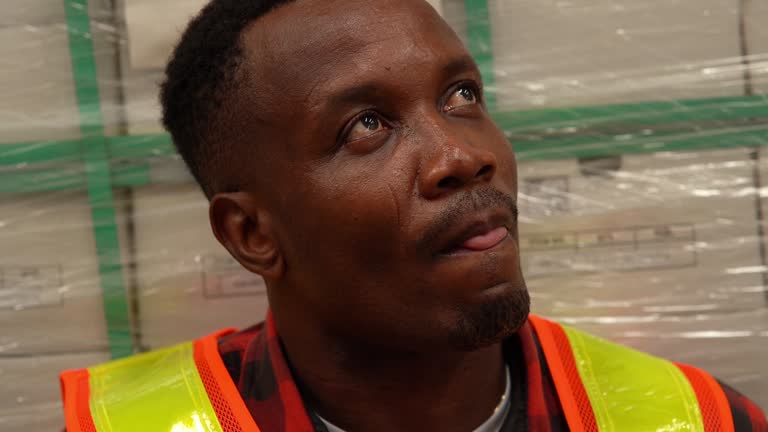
455, 164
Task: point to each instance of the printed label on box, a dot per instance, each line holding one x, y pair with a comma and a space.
29, 286
550, 195
621, 250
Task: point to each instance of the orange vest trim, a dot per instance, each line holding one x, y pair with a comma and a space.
230, 408
76, 394
570, 388
578, 387
715, 409
231, 412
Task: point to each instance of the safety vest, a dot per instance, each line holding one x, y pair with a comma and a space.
601, 386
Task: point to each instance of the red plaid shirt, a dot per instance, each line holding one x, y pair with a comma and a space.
256, 362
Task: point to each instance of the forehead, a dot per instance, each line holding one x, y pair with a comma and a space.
309, 43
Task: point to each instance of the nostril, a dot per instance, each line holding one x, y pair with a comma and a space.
449, 183
484, 171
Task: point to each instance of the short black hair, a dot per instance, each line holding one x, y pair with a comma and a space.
201, 79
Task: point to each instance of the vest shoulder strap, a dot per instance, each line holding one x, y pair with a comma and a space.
182, 388
603, 386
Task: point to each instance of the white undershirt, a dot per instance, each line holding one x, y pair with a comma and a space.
493, 424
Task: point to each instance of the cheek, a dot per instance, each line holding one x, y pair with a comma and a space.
510, 171
507, 164
353, 222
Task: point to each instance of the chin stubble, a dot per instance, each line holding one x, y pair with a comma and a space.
491, 322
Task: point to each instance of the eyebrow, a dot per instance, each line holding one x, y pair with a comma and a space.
354, 94
459, 65
365, 90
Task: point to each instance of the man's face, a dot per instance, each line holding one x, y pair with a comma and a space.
392, 191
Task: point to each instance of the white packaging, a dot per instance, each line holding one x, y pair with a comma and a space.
561, 53
50, 287
655, 251
31, 12
153, 28
30, 395
38, 99
142, 102
188, 284
658, 233
756, 44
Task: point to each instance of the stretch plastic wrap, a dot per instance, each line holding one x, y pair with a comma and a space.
640, 130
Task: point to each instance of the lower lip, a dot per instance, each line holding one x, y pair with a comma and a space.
485, 242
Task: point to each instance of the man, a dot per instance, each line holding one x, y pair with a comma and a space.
349, 160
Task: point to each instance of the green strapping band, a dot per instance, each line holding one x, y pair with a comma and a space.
681, 125
98, 178
480, 40
633, 391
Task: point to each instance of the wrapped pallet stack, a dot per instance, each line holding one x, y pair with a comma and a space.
640, 130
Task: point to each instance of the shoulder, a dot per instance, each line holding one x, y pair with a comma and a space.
747, 416
612, 383
234, 348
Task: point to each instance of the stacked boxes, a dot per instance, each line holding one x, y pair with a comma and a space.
189, 286
660, 252
656, 251
756, 14
30, 394
51, 311
560, 53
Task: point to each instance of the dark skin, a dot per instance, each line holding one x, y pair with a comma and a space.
365, 161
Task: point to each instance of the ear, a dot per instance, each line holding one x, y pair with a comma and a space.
244, 228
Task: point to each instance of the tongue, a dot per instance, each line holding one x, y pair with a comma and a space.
486, 241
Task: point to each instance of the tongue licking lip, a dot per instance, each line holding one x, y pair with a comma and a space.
486, 241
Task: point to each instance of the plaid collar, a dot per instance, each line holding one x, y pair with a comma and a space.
257, 364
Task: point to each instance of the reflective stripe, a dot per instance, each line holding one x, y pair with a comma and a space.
627, 390
159, 391
630, 390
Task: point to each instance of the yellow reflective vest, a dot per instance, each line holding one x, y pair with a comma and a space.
601, 387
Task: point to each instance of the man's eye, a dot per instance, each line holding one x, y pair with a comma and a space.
365, 126
462, 96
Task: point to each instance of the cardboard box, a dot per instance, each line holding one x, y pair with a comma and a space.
37, 87
37, 93
558, 53
154, 28
30, 395
142, 101
188, 284
660, 231
34, 13
42, 418
657, 251
756, 15
50, 290
31, 13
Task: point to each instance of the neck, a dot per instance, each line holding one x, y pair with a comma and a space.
361, 388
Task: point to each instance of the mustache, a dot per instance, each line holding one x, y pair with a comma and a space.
466, 204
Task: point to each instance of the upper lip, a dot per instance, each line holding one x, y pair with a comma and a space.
475, 224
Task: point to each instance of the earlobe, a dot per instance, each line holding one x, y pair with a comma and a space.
244, 228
